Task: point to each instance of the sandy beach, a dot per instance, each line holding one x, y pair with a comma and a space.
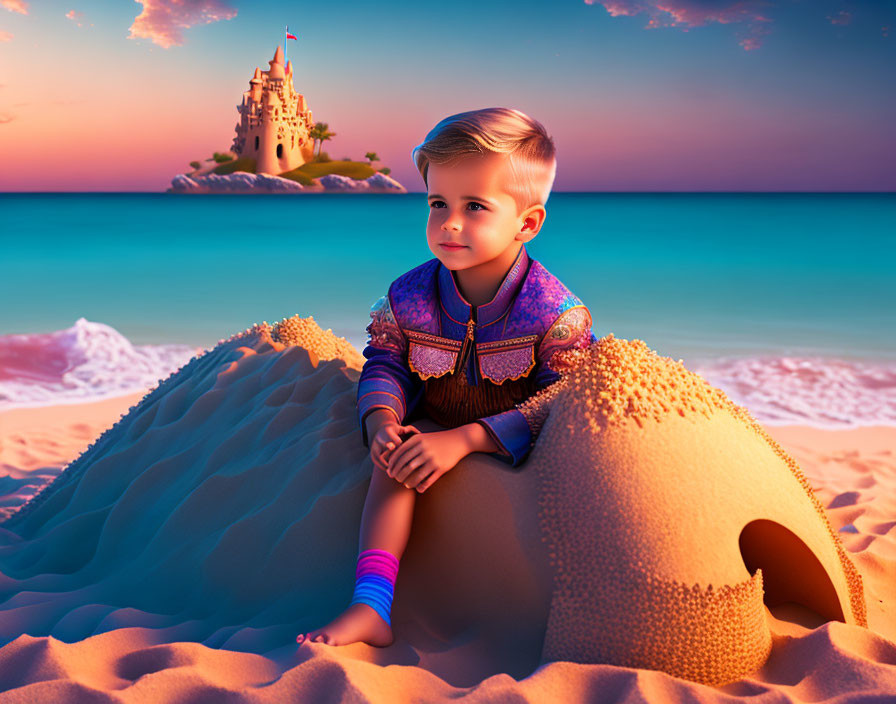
86, 615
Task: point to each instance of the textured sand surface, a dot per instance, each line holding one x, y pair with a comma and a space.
670, 519
198, 535
37, 443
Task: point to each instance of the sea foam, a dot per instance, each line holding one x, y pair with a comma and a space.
88, 361
91, 361
822, 392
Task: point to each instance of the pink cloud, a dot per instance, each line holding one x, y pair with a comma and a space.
842, 17
5, 36
162, 20
6, 117
685, 14
75, 17
693, 13
15, 6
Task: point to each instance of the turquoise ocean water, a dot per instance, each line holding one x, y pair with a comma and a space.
709, 278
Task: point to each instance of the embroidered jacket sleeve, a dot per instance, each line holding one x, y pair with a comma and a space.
386, 381
516, 430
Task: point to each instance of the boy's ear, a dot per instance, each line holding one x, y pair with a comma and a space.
532, 219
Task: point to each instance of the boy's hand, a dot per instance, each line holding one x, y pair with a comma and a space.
423, 458
386, 439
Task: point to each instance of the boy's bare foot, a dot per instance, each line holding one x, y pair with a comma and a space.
359, 622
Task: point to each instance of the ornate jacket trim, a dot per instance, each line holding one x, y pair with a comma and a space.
383, 330
431, 355
500, 360
570, 329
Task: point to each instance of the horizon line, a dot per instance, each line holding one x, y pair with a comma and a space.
407, 193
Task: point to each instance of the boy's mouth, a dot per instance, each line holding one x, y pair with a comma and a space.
450, 246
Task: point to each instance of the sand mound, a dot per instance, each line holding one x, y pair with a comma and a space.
670, 518
223, 510
200, 508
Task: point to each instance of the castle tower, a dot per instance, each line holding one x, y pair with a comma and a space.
274, 121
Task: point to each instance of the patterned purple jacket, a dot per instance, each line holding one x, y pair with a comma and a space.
431, 354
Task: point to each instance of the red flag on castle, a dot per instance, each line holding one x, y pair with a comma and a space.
288, 36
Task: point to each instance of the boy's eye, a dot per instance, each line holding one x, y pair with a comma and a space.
439, 204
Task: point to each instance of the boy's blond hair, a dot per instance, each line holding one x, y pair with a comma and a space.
529, 148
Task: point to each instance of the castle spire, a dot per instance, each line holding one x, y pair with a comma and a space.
276, 70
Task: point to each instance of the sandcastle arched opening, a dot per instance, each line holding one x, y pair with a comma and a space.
791, 573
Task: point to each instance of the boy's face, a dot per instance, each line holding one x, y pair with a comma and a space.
468, 205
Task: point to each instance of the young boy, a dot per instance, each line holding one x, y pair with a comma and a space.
462, 339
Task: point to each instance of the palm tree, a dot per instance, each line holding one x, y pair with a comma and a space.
320, 133
371, 157
314, 133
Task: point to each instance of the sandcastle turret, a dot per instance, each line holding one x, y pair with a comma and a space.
274, 121
277, 69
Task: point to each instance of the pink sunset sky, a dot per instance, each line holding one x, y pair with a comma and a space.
639, 95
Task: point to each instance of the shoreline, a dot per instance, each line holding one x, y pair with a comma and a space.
95, 412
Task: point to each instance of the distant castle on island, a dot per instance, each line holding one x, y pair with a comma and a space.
273, 150
275, 122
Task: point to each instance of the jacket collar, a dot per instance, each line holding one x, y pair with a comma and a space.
457, 306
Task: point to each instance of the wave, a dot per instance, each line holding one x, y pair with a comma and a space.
822, 392
87, 362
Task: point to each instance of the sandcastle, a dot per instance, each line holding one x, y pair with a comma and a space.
644, 530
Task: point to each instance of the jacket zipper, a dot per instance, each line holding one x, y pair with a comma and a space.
462, 357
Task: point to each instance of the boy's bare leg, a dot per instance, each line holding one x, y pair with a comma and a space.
385, 524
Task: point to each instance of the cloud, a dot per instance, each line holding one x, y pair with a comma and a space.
5, 36
685, 14
162, 20
692, 13
754, 35
6, 117
15, 6
75, 17
842, 17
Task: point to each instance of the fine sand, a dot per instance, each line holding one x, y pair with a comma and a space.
147, 644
